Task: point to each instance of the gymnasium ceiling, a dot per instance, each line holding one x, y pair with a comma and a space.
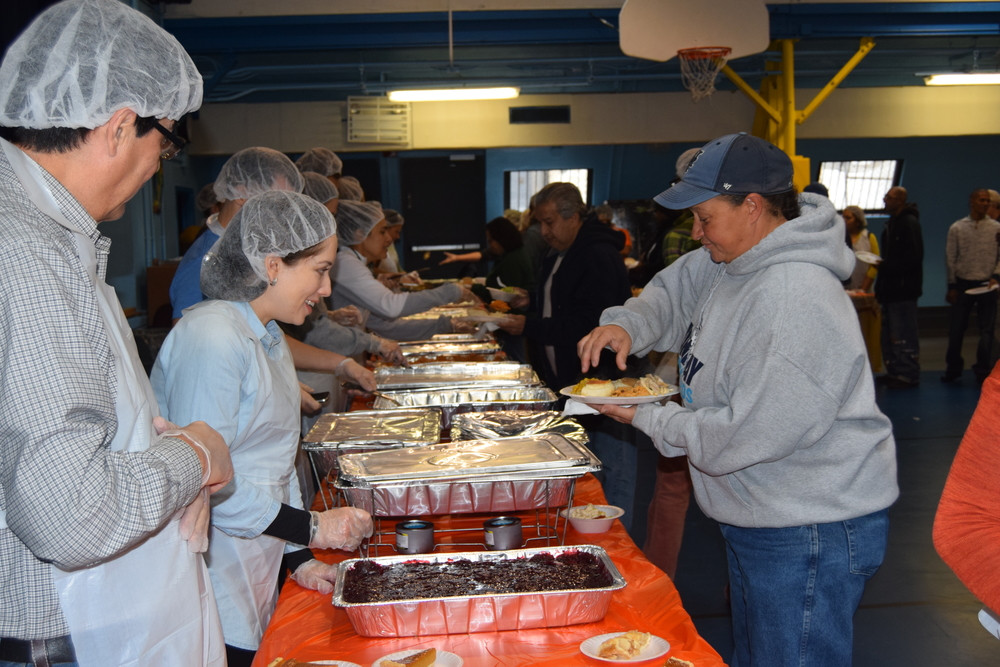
310, 50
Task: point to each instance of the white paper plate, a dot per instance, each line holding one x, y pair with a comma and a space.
616, 400
985, 289
444, 658
654, 649
335, 663
868, 257
500, 295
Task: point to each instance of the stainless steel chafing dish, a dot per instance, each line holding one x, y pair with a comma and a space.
458, 400
445, 347
489, 612
501, 475
459, 337
339, 433
493, 373
509, 423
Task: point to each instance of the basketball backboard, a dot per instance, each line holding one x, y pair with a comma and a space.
656, 29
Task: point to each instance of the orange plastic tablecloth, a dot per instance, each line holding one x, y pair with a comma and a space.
306, 626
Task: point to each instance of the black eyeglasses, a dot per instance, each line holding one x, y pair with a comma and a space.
170, 144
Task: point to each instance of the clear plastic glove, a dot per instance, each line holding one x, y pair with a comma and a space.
195, 522
352, 370
316, 575
308, 405
341, 528
390, 351
459, 325
348, 316
468, 295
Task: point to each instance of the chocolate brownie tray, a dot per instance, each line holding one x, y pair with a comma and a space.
477, 591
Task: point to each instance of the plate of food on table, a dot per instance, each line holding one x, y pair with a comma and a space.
624, 391
629, 646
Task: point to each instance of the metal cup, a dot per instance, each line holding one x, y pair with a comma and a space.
414, 536
502, 533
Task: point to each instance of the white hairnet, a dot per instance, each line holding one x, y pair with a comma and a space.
350, 188
318, 187
80, 61
321, 160
273, 223
355, 219
393, 218
684, 161
254, 170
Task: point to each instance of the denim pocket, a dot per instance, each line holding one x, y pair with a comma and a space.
867, 537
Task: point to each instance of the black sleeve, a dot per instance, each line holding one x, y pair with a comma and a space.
291, 525
293, 559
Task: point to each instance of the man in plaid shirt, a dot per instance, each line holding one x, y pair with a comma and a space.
94, 567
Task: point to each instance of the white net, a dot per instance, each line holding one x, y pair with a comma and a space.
700, 67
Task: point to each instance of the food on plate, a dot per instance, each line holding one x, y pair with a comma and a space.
368, 581
677, 662
589, 511
418, 659
624, 646
499, 306
647, 385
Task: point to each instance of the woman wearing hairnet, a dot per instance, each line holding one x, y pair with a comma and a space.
227, 362
364, 238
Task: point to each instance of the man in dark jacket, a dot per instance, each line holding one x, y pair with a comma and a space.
899, 285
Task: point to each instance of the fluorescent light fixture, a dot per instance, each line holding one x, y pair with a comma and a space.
970, 79
453, 94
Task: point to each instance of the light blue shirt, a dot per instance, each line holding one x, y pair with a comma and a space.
220, 365
185, 288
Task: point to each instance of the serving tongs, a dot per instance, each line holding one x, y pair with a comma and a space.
354, 385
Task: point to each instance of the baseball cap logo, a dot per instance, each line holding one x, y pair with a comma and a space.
727, 185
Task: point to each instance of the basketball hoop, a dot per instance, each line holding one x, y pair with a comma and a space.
700, 66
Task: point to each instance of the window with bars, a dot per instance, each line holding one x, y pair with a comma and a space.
860, 183
521, 185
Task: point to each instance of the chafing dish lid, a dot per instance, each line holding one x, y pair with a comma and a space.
411, 426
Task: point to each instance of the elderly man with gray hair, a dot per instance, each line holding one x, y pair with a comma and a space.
97, 552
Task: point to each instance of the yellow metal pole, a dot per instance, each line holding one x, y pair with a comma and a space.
867, 44
788, 98
751, 93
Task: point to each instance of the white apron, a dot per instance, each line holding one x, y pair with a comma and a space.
245, 571
152, 605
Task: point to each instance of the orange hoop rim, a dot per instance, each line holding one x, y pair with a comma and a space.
705, 52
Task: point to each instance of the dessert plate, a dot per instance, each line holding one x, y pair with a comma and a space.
444, 658
616, 400
654, 649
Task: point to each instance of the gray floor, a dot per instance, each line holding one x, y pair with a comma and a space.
915, 611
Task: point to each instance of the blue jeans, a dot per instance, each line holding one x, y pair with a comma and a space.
900, 343
794, 590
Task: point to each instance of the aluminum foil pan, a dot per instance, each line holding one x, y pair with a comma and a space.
489, 612
489, 494
424, 376
459, 400
445, 347
544, 455
509, 423
460, 337
337, 433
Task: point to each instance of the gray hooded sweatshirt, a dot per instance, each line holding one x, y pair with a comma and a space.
779, 421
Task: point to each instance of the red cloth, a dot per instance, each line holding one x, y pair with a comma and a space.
967, 525
306, 626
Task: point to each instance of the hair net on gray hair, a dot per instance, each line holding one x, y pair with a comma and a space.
321, 160
393, 218
318, 187
273, 223
254, 170
80, 61
355, 220
206, 198
684, 161
350, 188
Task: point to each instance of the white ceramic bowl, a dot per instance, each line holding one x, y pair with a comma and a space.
601, 525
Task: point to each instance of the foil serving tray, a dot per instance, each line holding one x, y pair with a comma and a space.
425, 376
452, 348
543, 455
510, 423
486, 612
342, 430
